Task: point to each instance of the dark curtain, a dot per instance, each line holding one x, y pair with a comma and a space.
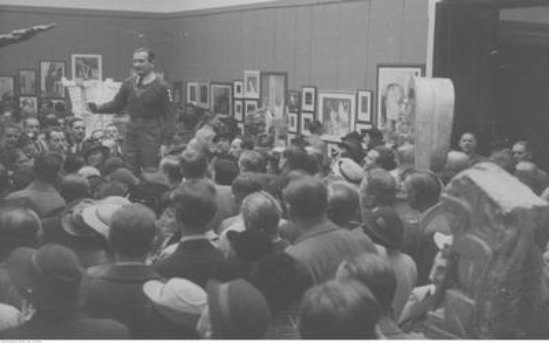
465, 51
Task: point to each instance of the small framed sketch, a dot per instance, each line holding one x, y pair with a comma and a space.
294, 101
364, 106
222, 98
51, 73
28, 105
87, 67
238, 110
336, 111
238, 89
192, 93
26, 81
308, 99
306, 119
7, 85
293, 122
204, 95
361, 128
250, 106
251, 84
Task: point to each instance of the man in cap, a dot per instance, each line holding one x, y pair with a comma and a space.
52, 280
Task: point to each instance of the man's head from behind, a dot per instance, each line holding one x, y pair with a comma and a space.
47, 166
423, 189
132, 231
338, 310
343, 202
195, 205
194, 164
306, 198
378, 188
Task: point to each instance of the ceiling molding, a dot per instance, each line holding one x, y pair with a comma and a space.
138, 6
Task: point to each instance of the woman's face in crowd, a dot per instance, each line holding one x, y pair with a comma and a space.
22, 161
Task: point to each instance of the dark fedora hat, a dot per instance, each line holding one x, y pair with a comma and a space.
385, 227
90, 146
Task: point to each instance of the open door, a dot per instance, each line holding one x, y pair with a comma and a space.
466, 36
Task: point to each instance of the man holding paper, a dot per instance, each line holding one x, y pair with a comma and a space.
147, 100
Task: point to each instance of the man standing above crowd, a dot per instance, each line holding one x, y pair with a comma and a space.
147, 100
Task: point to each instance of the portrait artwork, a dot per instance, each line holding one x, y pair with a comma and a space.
26, 82
293, 119
336, 112
87, 67
308, 99
238, 89
251, 84
28, 105
238, 110
204, 95
305, 120
395, 102
51, 73
222, 98
364, 106
294, 101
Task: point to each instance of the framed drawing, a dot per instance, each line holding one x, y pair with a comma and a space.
192, 93
251, 84
204, 95
238, 110
249, 107
293, 122
222, 98
336, 111
393, 101
308, 99
28, 105
26, 82
238, 89
364, 106
7, 85
177, 92
306, 118
273, 92
51, 73
294, 101
361, 128
87, 67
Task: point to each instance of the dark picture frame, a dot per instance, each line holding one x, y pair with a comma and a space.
87, 67
51, 74
221, 94
336, 112
304, 120
204, 95
238, 89
192, 93
308, 99
238, 112
7, 84
252, 84
293, 122
364, 106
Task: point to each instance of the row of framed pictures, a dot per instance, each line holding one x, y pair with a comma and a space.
47, 81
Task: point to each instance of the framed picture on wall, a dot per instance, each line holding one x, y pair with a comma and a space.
87, 67
7, 85
364, 106
240, 126
306, 119
222, 98
273, 92
238, 110
26, 82
204, 94
308, 99
192, 93
51, 73
28, 105
336, 111
294, 101
361, 128
249, 107
392, 93
293, 122
238, 89
251, 84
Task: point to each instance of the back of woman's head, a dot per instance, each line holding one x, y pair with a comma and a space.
19, 227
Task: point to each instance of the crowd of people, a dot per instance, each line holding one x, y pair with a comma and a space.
228, 236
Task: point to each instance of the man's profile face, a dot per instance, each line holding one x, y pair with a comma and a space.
141, 63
